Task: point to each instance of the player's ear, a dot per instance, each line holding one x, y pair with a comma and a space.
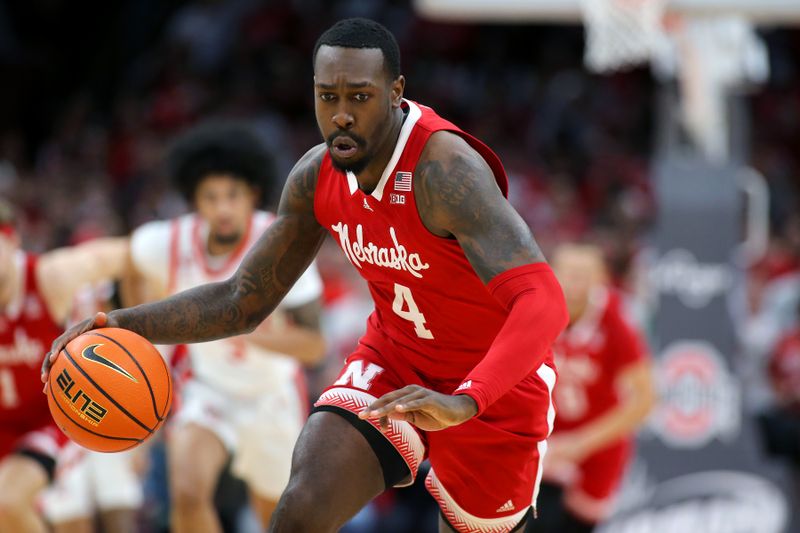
398, 85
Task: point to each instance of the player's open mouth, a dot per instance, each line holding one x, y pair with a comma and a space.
344, 147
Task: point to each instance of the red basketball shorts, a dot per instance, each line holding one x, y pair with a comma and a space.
485, 473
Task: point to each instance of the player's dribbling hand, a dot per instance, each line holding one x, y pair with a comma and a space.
428, 410
100, 320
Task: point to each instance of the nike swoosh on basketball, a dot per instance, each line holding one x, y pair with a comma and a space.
90, 354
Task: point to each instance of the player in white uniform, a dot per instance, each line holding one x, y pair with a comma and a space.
244, 395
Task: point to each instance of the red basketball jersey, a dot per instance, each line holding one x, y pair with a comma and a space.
26, 331
431, 309
590, 354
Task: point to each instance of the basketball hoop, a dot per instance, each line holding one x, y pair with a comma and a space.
709, 55
621, 33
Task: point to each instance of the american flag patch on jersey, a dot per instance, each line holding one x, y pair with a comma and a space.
402, 181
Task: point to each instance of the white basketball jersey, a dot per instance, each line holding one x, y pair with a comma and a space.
174, 253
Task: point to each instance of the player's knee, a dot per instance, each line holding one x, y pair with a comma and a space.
187, 492
12, 506
298, 511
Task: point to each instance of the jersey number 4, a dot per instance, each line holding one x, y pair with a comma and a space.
406, 308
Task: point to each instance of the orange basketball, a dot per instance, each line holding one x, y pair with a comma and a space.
109, 390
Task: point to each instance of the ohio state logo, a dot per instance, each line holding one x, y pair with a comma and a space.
699, 399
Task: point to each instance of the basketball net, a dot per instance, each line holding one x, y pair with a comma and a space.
709, 55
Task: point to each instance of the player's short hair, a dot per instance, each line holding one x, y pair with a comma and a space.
219, 148
363, 33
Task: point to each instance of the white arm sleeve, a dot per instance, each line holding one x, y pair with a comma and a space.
307, 289
150, 245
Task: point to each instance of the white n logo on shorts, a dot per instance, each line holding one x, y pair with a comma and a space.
358, 376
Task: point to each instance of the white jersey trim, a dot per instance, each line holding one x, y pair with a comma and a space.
414, 113
464, 522
401, 434
548, 375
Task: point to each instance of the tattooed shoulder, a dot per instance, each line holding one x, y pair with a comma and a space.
454, 185
457, 196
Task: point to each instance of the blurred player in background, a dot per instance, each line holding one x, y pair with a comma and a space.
780, 424
90, 485
245, 396
604, 393
36, 294
456, 362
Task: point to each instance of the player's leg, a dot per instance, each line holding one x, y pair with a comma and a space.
263, 507
79, 525
267, 436
22, 477
68, 502
119, 520
335, 472
200, 439
118, 490
195, 458
341, 462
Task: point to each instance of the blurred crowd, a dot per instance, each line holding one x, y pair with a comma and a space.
87, 117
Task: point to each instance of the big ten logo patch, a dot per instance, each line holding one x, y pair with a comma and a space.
80, 402
397, 199
359, 376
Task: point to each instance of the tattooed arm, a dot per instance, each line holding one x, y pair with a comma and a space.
240, 303
458, 197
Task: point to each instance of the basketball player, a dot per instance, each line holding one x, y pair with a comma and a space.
456, 362
603, 395
35, 297
242, 398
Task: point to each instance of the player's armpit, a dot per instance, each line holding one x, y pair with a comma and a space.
457, 195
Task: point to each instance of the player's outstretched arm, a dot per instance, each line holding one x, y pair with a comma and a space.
240, 303
62, 272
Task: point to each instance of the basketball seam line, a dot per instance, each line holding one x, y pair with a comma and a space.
55, 401
103, 392
146, 379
